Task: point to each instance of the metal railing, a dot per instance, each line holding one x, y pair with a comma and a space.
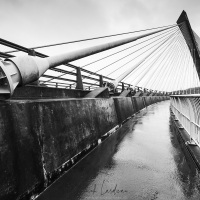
195, 90
186, 109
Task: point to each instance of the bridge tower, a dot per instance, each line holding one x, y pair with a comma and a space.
191, 38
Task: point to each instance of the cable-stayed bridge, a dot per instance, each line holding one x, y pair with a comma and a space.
151, 59
55, 109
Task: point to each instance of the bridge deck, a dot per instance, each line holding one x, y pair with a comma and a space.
142, 160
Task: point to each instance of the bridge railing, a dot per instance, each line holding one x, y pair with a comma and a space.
186, 109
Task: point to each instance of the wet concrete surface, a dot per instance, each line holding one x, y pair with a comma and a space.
142, 160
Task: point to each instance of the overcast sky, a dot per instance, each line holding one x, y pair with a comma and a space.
32, 23
39, 22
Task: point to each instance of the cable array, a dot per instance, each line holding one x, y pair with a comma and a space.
159, 61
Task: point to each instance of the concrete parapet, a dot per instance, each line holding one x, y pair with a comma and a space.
70, 126
35, 92
20, 150
138, 103
124, 108
147, 101
38, 135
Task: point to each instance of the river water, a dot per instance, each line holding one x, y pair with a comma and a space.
142, 160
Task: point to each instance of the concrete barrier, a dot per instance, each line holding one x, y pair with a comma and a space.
35, 92
20, 152
138, 103
147, 101
124, 108
38, 136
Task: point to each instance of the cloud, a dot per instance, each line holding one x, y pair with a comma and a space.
41, 22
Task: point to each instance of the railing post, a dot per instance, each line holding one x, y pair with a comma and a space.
123, 87
79, 82
100, 81
190, 131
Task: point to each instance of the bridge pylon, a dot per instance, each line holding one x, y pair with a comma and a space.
191, 39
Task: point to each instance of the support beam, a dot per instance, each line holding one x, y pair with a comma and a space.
125, 93
95, 93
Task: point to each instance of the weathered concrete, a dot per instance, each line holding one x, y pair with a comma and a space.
124, 108
20, 152
49, 131
70, 126
40, 134
138, 103
147, 101
35, 92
